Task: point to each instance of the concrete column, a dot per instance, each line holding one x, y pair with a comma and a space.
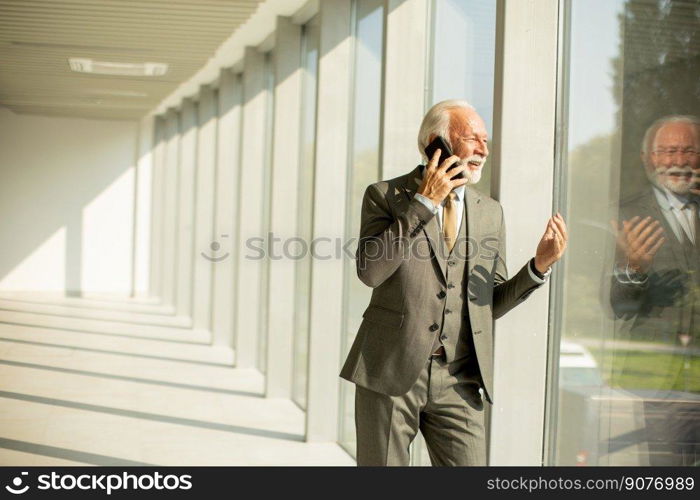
204, 211
170, 211
284, 210
404, 84
250, 219
333, 119
523, 154
157, 199
185, 205
226, 213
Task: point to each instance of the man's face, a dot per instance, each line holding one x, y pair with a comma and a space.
469, 141
674, 157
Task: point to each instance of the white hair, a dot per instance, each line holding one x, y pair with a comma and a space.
437, 121
650, 133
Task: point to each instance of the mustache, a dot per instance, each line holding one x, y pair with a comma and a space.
675, 169
480, 160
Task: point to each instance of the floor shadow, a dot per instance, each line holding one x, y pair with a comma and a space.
118, 353
191, 387
67, 454
154, 417
106, 334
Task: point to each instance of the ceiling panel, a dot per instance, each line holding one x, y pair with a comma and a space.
38, 36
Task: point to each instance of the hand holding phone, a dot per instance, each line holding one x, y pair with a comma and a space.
445, 153
443, 173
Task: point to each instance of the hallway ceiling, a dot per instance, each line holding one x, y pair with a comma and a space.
37, 37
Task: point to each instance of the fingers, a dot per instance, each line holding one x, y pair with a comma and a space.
434, 160
650, 241
627, 225
641, 236
458, 182
655, 248
561, 226
557, 231
641, 225
448, 163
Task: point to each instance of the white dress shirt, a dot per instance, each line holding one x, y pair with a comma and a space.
460, 190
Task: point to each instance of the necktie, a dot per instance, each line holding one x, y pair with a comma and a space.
449, 220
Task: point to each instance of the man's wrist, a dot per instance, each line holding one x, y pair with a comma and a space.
540, 267
536, 272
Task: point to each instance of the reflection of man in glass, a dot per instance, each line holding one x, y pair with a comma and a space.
656, 273
655, 290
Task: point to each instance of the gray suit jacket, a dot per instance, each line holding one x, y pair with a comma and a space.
399, 256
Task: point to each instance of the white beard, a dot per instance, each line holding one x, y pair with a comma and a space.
676, 184
473, 176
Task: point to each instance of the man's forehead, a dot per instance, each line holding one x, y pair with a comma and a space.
677, 132
466, 120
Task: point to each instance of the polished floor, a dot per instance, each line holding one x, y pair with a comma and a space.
97, 381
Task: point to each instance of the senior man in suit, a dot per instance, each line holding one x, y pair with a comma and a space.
433, 250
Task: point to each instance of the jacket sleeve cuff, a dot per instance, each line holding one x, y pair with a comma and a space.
535, 275
426, 201
627, 277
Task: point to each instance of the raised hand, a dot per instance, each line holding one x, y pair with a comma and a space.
638, 240
553, 243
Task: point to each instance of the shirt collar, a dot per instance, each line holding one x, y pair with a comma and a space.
669, 200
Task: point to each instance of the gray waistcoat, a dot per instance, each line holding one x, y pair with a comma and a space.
455, 331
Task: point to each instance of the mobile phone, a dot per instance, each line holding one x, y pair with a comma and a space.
445, 152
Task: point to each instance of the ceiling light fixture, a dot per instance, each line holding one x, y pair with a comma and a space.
82, 65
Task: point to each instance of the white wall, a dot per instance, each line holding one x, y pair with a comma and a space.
67, 203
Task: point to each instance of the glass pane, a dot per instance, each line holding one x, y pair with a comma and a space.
309, 55
463, 59
625, 376
364, 165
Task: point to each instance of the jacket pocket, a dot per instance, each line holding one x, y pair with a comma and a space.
383, 316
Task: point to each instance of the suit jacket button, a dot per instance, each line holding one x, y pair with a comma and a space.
477, 332
443, 337
447, 311
451, 262
442, 294
450, 285
434, 327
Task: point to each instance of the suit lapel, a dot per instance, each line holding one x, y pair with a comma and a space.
472, 200
432, 228
652, 205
